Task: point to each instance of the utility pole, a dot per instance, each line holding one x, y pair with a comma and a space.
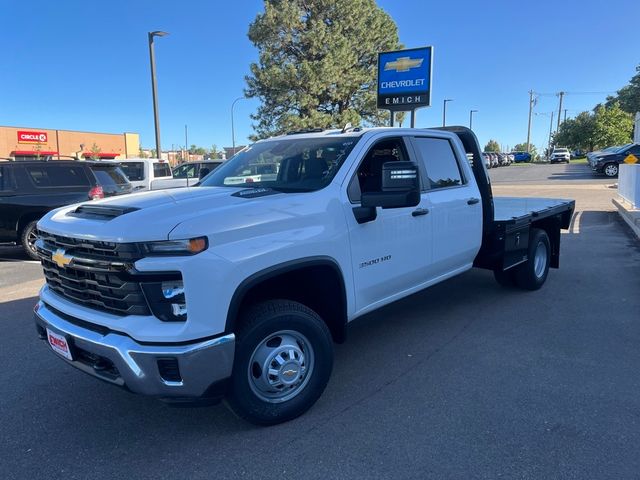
561, 95
186, 143
531, 103
550, 129
565, 115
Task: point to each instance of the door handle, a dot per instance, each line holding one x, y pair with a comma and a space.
473, 201
419, 211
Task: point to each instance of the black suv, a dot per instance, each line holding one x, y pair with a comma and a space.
30, 189
196, 169
607, 161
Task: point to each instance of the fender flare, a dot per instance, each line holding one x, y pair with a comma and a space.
271, 272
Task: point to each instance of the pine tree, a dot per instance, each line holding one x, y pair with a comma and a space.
317, 64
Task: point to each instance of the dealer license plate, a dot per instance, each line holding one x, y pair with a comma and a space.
59, 344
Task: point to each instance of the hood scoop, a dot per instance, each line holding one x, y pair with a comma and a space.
100, 212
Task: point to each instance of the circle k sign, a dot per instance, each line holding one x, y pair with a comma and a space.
25, 136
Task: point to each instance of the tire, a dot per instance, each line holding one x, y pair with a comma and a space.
27, 239
611, 170
532, 274
268, 334
505, 278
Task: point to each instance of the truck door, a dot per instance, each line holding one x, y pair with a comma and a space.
390, 254
455, 204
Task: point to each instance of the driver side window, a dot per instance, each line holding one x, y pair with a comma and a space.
368, 177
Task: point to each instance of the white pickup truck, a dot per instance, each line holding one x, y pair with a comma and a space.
152, 174
239, 291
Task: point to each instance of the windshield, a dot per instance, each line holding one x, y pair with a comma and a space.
289, 165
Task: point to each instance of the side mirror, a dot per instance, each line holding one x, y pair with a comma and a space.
400, 187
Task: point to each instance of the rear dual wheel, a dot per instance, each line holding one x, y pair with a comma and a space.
531, 274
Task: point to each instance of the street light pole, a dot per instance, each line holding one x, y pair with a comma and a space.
233, 132
444, 111
471, 112
154, 89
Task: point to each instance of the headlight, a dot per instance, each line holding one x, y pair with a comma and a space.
189, 246
166, 299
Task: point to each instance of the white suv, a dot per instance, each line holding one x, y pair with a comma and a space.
560, 155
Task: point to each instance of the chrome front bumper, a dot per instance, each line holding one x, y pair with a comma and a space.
120, 360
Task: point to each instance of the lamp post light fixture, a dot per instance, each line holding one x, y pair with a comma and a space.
233, 132
154, 88
444, 111
471, 112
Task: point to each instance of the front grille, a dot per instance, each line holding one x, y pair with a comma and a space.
92, 248
98, 277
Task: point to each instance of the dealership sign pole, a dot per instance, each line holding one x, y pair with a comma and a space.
404, 80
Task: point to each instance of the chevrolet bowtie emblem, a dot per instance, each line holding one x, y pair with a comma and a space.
60, 259
403, 64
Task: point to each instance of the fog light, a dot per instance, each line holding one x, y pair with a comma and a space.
179, 309
172, 289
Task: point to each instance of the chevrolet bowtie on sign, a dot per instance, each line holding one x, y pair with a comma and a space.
404, 79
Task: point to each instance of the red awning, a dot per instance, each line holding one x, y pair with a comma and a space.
100, 155
32, 153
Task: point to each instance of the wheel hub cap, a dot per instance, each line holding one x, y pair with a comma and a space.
540, 260
280, 366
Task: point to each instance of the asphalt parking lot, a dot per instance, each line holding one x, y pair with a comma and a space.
464, 380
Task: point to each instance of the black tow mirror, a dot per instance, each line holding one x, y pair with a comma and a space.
400, 187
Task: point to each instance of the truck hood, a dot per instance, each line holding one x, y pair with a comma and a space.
148, 216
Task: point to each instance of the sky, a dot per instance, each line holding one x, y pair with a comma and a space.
84, 65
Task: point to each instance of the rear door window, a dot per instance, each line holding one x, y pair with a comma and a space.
109, 175
57, 176
5, 184
133, 170
439, 161
161, 170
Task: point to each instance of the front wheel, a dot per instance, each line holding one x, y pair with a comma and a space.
283, 361
532, 274
611, 170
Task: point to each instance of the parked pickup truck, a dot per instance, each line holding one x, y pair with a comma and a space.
240, 291
152, 174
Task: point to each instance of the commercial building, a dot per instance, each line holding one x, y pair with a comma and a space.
25, 143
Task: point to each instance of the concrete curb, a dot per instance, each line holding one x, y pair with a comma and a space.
629, 214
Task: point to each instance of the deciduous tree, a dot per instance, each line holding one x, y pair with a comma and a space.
492, 146
628, 96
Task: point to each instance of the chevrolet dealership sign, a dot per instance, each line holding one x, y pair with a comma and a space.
404, 79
